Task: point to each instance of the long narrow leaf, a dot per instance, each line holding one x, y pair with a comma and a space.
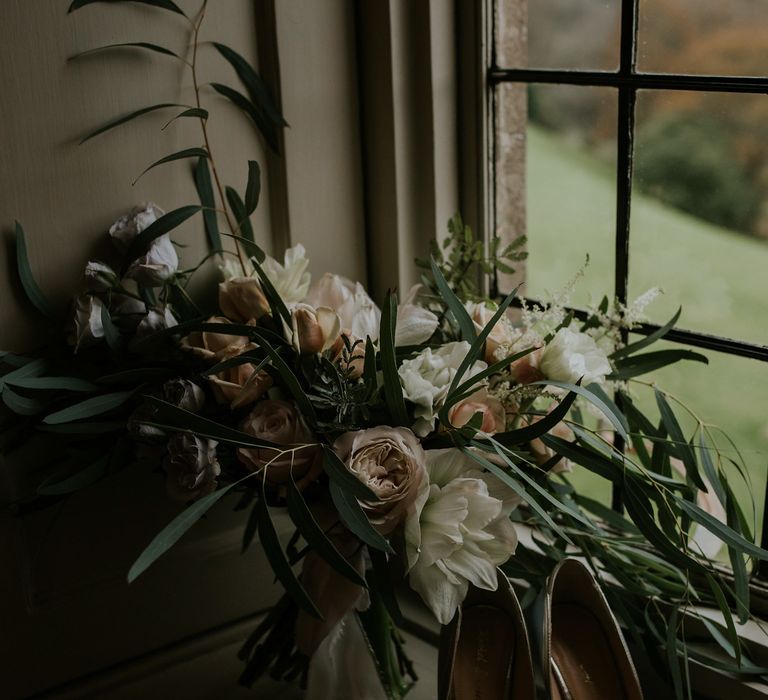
597, 397
648, 340
393, 390
304, 520
28, 282
339, 474
167, 222
128, 117
519, 436
257, 89
353, 516
280, 565
179, 155
22, 405
191, 113
466, 326
171, 533
635, 365
263, 124
243, 223
290, 381
204, 188
253, 187
90, 407
726, 613
161, 4
128, 45
681, 445
62, 383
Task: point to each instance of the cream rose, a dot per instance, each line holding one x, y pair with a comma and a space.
571, 355
281, 423
157, 265
489, 407
427, 377
391, 462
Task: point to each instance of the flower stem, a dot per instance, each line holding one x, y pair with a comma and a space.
204, 127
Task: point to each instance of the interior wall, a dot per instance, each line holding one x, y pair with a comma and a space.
65, 609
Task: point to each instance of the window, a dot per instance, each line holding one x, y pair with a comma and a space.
636, 130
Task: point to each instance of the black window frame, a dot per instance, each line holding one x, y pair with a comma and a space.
627, 80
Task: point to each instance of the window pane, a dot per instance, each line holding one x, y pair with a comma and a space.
714, 37
580, 34
731, 392
570, 184
699, 220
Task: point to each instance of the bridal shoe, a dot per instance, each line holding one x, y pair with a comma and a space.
584, 653
484, 651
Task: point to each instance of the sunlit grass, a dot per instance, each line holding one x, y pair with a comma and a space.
719, 276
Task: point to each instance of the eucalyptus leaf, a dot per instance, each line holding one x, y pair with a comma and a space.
304, 520
111, 333
161, 4
243, 223
338, 473
251, 526
263, 124
84, 427
726, 613
205, 192
85, 477
171, 533
129, 117
635, 365
519, 436
257, 89
28, 282
22, 405
279, 562
191, 113
681, 445
466, 326
393, 390
353, 516
128, 45
170, 416
89, 407
648, 340
279, 365
178, 155
49, 383
166, 223
253, 188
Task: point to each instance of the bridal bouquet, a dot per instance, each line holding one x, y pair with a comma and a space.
411, 448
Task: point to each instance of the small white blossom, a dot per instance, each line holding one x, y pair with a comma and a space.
130, 225
290, 279
157, 265
359, 315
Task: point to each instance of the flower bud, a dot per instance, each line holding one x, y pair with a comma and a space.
87, 327
242, 299
184, 394
313, 330
157, 265
191, 466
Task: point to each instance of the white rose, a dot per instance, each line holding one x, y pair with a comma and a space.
156, 321
571, 355
360, 317
427, 377
291, 279
87, 328
460, 532
157, 265
130, 225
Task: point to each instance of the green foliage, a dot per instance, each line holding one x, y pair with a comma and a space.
687, 161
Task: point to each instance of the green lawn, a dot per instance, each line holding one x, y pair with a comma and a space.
719, 277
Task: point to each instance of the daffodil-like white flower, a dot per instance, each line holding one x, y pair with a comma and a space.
291, 279
427, 377
459, 533
571, 355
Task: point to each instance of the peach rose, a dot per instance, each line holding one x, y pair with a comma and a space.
391, 462
541, 453
216, 346
240, 385
242, 299
503, 333
281, 423
526, 369
491, 409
